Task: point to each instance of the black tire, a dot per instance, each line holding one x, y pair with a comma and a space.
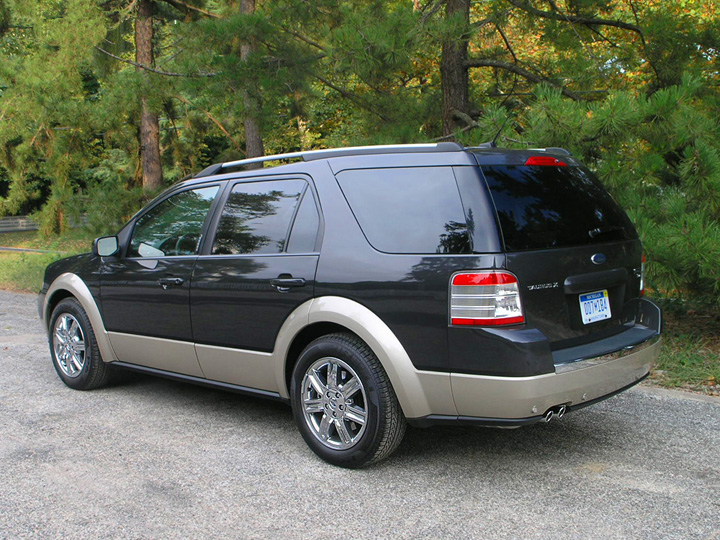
81, 370
359, 444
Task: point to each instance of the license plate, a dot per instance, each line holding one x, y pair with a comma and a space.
594, 306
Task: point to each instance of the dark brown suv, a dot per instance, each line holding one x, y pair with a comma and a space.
370, 287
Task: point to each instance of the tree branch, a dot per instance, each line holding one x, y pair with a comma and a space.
213, 120
352, 97
183, 6
305, 39
148, 68
514, 68
587, 21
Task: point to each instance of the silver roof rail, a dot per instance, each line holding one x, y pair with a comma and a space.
312, 155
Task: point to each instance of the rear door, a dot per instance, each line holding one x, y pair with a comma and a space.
258, 268
573, 249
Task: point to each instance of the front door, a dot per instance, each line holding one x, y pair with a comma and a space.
146, 293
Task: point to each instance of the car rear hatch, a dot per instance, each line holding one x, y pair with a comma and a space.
574, 251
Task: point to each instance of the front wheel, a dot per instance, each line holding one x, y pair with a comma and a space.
343, 402
73, 347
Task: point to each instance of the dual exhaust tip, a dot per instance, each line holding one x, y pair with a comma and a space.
554, 412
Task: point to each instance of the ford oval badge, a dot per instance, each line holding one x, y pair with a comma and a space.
598, 258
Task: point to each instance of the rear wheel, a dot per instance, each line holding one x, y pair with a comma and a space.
343, 402
73, 348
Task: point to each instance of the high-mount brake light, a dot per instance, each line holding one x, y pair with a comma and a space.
545, 161
642, 276
490, 298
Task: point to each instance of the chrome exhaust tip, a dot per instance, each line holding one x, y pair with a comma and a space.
561, 411
549, 415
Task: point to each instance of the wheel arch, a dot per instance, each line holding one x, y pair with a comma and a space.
420, 393
70, 285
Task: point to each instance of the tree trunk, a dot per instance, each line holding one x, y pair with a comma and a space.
251, 102
453, 71
149, 125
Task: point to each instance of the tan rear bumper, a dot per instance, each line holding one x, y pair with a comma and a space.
573, 385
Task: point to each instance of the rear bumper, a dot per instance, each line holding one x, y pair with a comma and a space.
514, 401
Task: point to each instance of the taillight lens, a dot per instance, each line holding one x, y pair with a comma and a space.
485, 299
642, 276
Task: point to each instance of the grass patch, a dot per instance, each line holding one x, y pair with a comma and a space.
24, 271
690, 357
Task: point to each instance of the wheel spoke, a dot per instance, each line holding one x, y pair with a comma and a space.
343, 432
324, 429
78, 346
332, 374
74, 363
313, 406
351, 387
73, 330
316, 383
356, 415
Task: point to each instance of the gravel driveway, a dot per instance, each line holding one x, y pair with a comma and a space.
154, 459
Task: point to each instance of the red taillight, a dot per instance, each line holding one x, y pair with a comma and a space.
642, 276
545, 161
489, 298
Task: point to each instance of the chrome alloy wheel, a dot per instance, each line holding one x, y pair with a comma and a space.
334, 403
69, 345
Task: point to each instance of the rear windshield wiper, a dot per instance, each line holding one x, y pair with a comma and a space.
603, 230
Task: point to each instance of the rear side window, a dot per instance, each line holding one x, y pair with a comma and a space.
552, 207
257, 217
305, 229
408, 210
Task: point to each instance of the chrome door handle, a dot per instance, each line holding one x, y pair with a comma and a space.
284, 284
166, 283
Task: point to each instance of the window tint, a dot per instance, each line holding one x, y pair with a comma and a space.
174, 226
305, 228
408, 210
257, 216
547, 207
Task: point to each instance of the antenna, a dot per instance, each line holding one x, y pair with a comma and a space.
493, 143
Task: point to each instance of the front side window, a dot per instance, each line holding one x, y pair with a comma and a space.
257, 217
174, 226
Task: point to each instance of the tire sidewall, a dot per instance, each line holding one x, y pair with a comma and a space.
364, 450
73, 307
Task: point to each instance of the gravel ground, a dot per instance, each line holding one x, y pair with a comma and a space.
154, 459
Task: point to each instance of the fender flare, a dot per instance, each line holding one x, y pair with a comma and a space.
420, 393
74, 285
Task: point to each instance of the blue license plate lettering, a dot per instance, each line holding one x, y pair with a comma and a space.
594, 306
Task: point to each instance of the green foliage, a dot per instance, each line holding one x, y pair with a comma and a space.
337, 73
660, 157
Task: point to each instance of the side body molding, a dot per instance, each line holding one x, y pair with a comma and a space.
74, 285
420, 393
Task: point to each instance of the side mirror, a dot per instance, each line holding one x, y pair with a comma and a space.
106, 246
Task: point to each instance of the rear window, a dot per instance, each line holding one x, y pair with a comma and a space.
552, 207
408, 210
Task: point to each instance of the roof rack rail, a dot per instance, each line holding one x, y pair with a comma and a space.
555, 150
312, 155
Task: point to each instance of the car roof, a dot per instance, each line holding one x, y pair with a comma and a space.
401, 155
